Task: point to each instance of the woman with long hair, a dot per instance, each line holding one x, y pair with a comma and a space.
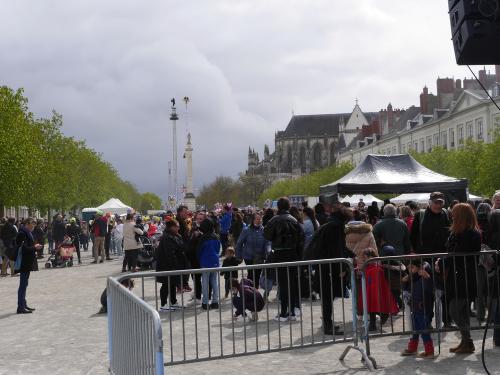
460, 271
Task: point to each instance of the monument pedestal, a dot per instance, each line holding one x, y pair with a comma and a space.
190, 202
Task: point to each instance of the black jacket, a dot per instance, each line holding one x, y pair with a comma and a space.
9, 233
58, 231
460, 273
494, 230
435, 232
73, 231
25, 239
286, 236
169, 254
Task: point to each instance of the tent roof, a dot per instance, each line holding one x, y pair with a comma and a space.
395, 174
113, 203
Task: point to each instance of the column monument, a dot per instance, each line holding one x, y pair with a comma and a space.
189, 198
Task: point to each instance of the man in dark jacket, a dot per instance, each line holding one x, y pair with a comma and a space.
73, 230
168, 257
392, 231
8, 236
58, 231
99, 229
327, 243
287, 242
39, 237
431, 227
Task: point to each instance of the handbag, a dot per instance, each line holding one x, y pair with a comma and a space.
19, 259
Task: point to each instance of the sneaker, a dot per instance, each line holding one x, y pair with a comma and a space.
427, 355
214, 306
204, 306
297, 312
293, 318
176, 306
165, 309
280, 318
255, 316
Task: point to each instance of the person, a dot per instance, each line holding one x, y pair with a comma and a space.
359, 236
225, 227
380, 300
229, 261
394, 271
168, 257
117, 237
252, 247
131, 243
246, 298
26, 264
84, 236
321, 216
192, 252
327, 243
373, 213
494, 243
126, 283
73, 230
287, 243
268, 214
107, 238
419, 285
406, 214
208, 253
237, 226
460, 272
99, 228
430, 227
393, 231
309, 225
8, 236
58, 231
182, 217
39, 237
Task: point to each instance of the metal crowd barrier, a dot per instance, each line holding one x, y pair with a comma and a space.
134, 333
193, 334
479, 267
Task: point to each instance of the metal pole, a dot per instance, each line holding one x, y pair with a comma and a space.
174, 118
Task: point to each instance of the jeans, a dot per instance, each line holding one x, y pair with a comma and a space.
21, 292
212, 279
116, 245
421, 322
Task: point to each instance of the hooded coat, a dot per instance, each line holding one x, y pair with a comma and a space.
358, 237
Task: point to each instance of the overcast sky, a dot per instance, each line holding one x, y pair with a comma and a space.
111, 67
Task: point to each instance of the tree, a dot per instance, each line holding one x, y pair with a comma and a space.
149, 201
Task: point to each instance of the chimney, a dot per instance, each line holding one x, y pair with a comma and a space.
458, 84
390, 117
482, 76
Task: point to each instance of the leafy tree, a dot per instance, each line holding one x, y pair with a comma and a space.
149, 201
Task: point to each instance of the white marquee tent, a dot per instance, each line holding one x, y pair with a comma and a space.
423, 198
367, 199
115, 206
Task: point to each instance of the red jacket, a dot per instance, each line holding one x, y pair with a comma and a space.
378, 293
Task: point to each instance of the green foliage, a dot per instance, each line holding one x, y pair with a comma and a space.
308, 184
149, 201
222, 190
42, 168
475, 161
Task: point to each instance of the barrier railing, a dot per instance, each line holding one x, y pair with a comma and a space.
308, 292
134, 333
440, 287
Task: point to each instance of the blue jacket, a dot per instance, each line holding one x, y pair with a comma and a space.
225, 223
208, 251
422, 294
252, 243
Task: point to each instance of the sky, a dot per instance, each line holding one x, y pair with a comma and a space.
111, 67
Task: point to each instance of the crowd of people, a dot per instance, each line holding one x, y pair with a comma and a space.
331, 229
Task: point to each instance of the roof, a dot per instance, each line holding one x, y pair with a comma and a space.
315, 125
395, 174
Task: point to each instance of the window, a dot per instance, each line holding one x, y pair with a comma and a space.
460, 131
435, 141
415, 146
452, 138
470, 130
479, 129
444, 140
428, 141
394, 151
422, 145
404, 149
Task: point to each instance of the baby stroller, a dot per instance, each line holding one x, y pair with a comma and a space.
62, 256
145, 259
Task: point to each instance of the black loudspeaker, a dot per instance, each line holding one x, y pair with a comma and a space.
475, 30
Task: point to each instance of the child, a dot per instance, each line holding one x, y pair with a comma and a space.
208, 255
229, 261
246, 297
419, 284
395, 270
378, 294
127, 283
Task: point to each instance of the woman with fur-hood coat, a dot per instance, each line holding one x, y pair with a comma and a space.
358, 237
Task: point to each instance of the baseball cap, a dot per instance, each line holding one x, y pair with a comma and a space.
437, 196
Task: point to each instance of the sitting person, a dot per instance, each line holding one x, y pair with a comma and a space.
378, 294
246, 297
127, 283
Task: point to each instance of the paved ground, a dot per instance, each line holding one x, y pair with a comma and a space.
66, 336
